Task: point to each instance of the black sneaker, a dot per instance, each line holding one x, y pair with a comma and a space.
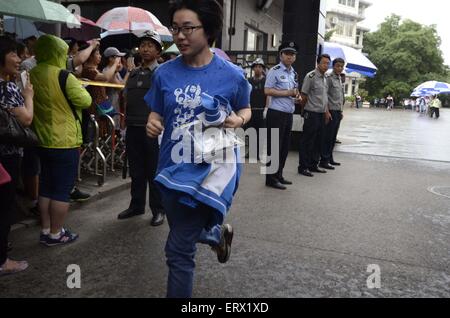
223, 250
79, 196
66, 237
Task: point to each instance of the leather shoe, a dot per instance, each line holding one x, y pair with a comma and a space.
128, 213
317, 169
285, 182
157, 219
327, 166
334, 163
276, 185
306, 173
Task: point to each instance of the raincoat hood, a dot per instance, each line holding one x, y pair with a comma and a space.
51, 50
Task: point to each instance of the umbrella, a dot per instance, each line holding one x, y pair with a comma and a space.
38, 10
23, 28
87, 31
433, 88
137, 33
221, 53
86, 21
356, 61
131, 19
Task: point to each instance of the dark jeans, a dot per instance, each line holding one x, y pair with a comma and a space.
143, 153
434, 110
7, 203
311, 140
187, 228
329, 137
282, 121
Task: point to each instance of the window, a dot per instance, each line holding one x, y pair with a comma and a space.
349, 3
346, 27
255, 40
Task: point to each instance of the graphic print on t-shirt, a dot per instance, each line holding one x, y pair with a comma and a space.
188, 100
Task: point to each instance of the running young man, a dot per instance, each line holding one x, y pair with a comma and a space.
196, 197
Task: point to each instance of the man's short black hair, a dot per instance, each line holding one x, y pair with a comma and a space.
322, 56
209, 12
338, 60
7, 45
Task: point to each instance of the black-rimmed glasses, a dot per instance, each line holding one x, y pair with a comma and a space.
186, 30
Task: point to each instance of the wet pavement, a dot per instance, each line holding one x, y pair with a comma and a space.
317, 239
397, 133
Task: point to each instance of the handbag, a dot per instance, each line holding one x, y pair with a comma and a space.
13, 133
4, 176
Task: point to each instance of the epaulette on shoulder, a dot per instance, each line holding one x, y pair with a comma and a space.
312, 74
277, 67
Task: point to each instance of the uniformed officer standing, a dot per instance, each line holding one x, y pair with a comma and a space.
142, 151
282, 87
336, 99
315, 114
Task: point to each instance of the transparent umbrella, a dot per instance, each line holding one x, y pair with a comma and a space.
38, 10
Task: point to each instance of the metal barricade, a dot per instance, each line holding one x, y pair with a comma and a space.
92, 159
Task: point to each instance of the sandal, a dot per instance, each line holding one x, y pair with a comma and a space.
13, 267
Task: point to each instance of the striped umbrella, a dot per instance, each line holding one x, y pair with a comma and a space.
433, 87
123, 20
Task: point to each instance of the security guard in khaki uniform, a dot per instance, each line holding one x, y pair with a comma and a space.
336, 99
315, 100
282, 86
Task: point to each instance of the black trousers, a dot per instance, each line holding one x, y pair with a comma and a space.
257, 122
143, 153
434, 110
283, 122
311, 140
329, 137
7, 203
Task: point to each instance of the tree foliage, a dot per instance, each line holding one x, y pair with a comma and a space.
406, 54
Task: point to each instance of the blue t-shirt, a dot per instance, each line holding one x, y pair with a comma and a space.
176, 93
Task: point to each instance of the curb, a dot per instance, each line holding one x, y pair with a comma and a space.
99, 195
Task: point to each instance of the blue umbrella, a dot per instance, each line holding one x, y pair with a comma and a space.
23, 28
356, 61
433, 88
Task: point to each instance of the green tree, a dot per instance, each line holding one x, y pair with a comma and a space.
406, 54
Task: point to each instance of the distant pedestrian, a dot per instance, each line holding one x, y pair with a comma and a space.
390, 102
435, 105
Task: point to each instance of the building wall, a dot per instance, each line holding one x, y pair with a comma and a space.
248, 16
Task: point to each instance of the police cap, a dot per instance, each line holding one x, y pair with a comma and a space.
288, 47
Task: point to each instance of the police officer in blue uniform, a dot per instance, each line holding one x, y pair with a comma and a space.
316, 115
282, 86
